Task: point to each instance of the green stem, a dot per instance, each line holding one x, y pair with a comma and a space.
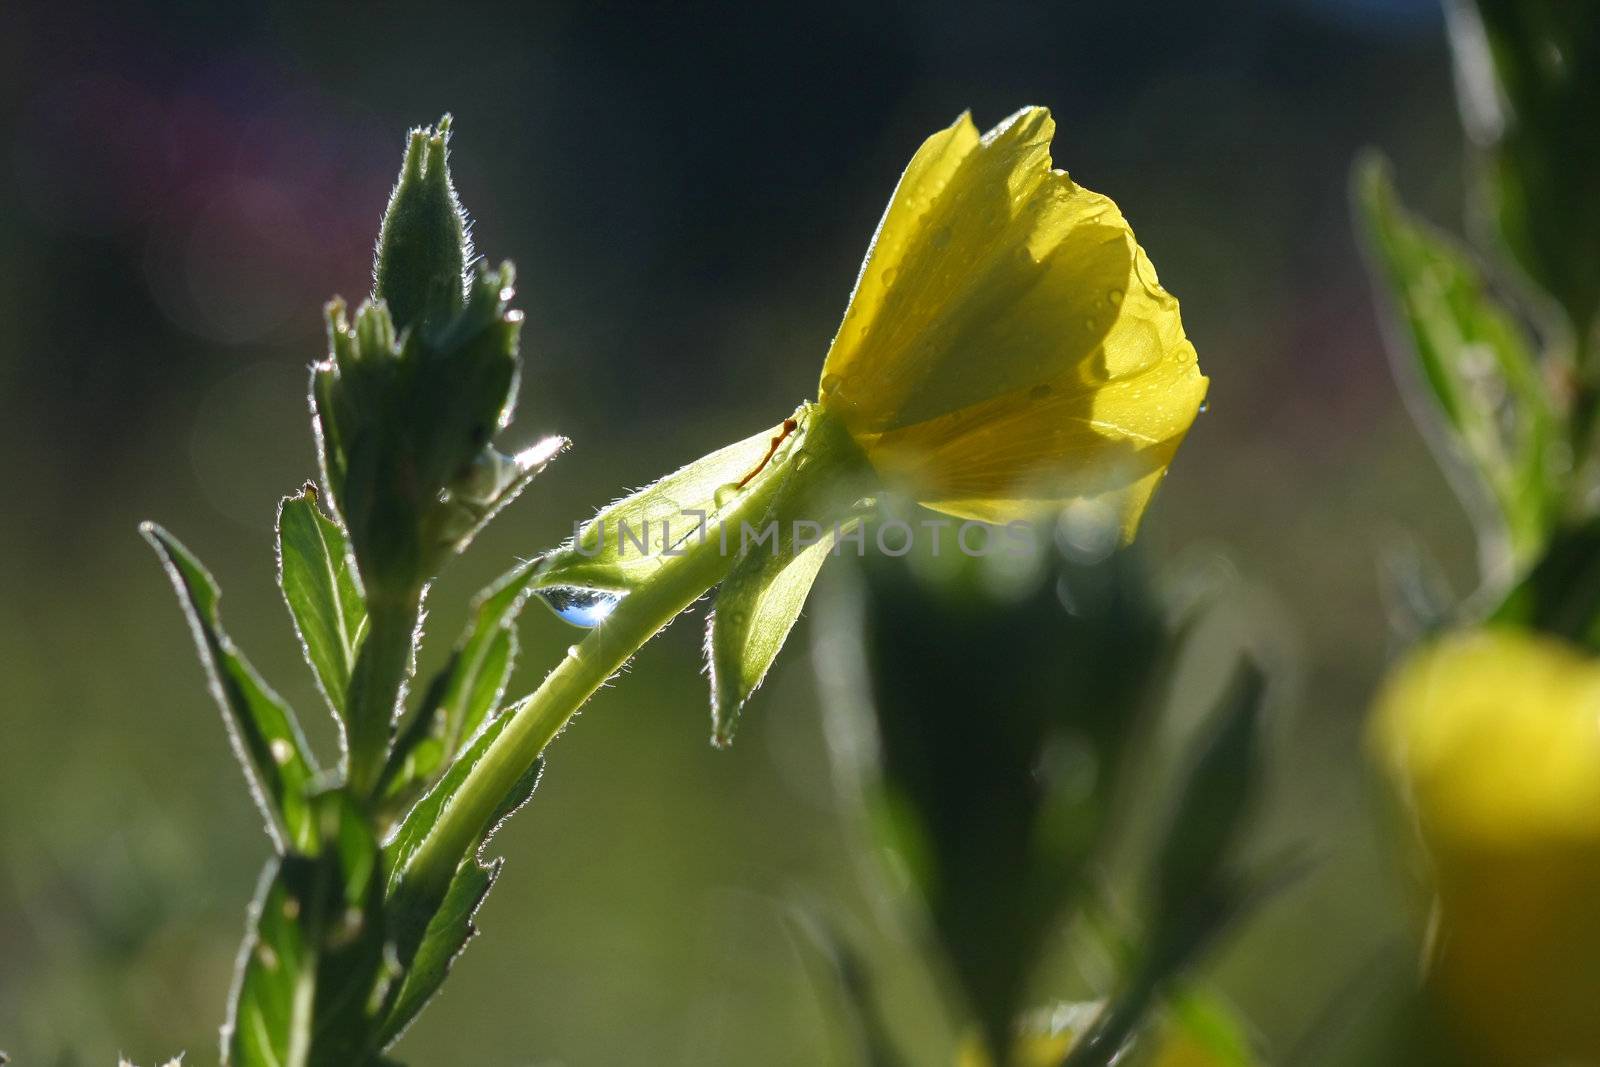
829, 456
380, 672
535, 721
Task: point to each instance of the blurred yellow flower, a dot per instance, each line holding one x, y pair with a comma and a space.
1008, 347
1030, 1051
1493, 737
1047, 1038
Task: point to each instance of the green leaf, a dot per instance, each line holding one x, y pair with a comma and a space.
265, 736
451, 925
475, 690
312, 973
466, 693
1482, 380
757, 606
420, 820
1216, 797
269, 1021
317, 576
413, 902
485, 656
626, 542
444, 939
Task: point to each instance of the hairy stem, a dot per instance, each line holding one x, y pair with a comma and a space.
538, 718
376, 683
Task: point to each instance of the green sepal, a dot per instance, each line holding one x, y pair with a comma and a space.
756, 607
318, 579
266, 736
629, 540
762, 597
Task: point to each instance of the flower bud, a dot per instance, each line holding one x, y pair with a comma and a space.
420, 269
1492, 739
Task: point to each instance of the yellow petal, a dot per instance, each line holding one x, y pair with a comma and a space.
1008, 346
1042, 446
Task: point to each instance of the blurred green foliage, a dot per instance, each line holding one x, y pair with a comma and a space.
999, 725
1513, 390
984, 715
1530, 91
1478, 375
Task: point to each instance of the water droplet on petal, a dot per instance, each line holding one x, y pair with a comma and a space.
888, 276
725, 494
1205, 406
1115, 296
581, 607
830, 383
282, 751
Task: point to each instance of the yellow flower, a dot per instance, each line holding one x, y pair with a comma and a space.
1494, 739
1008, 347
1047, 1037
1032, 1050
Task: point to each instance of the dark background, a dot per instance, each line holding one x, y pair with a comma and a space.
687, 193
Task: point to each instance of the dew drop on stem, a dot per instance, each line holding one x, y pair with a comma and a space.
581, 607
